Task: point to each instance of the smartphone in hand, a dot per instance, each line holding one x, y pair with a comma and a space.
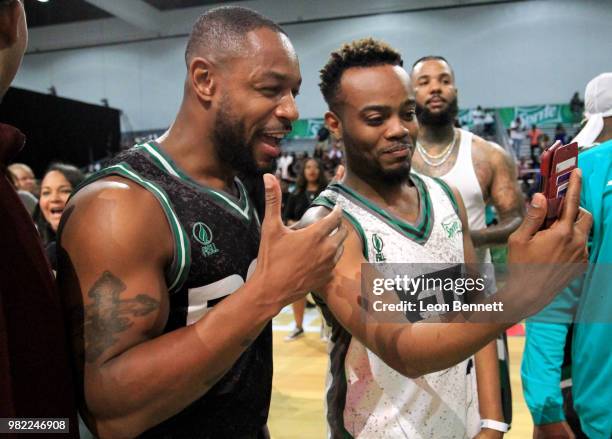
556, 164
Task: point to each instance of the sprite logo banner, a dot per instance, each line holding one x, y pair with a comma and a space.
551, 114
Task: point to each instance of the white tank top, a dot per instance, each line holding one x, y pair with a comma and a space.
380, 403
463, 177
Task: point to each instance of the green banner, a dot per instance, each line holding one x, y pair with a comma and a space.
551, 114
306, 128
541, 115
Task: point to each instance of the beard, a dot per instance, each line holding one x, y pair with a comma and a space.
231, 143
369, 169
446, 117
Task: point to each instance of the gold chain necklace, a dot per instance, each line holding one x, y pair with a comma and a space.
440, 159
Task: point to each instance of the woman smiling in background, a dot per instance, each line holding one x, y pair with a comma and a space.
58, 183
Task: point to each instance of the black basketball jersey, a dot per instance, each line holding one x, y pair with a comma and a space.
216, 244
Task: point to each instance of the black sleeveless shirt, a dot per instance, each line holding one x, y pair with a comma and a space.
216, 243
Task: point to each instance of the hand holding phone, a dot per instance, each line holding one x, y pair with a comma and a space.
556, 164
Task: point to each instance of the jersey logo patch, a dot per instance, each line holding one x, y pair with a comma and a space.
452, 227
378, 244
203, 235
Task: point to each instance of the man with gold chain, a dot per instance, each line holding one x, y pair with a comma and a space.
482, 172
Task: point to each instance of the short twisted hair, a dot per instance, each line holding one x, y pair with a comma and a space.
366, 52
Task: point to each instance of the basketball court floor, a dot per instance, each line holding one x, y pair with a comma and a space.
299, 382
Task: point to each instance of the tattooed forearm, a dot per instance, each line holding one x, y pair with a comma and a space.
505, 195
497, 234
109, 315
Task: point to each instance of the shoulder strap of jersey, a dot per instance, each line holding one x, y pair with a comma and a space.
178, 270
449, 193
328, 198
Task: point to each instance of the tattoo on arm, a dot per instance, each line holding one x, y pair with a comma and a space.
110, 315
506, 196
484, 175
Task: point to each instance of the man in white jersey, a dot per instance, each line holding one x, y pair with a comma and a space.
390, 379
482, 171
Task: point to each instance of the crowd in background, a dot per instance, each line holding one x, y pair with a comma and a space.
45, 199
522, 135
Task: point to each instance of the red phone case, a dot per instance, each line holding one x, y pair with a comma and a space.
556, 165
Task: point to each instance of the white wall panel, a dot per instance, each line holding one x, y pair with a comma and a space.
505, 54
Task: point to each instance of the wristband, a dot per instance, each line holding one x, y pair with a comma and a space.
494, 425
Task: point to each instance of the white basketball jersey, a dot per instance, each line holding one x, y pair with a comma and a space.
463, 177
378, 401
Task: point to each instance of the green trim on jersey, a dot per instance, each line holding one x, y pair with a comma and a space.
324, 201
179, 269
165, 163
420, 232
449, 192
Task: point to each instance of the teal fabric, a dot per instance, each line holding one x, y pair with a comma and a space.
588, 301
543, 356
490, 214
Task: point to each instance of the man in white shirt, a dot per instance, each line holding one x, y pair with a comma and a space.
517, 135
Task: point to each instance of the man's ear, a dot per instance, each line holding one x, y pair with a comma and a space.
334, 124
203, 78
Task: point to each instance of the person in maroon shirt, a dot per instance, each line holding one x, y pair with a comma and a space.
35, 373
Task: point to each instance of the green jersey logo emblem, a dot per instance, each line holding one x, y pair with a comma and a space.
452, 228
203, 234
378, 244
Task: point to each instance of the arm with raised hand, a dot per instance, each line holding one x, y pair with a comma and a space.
113, 273
424, 347
486, 360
